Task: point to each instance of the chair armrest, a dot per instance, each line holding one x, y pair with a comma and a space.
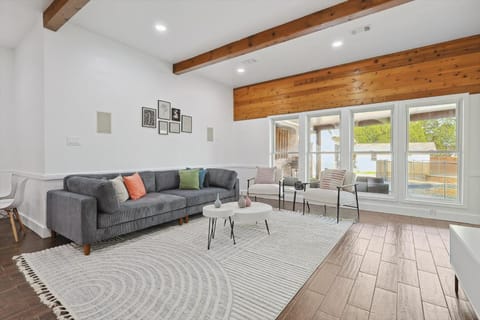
354, 185
72, 215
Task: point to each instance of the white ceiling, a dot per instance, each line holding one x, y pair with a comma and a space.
17, 18
196, 26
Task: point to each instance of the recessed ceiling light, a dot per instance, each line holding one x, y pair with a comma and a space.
337, 43
160, 27
240, 70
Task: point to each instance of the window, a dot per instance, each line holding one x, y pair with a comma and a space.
285, 147
324, 144
433, 157
372, 150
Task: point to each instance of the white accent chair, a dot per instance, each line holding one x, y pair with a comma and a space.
267, 190
345, 195
10, 205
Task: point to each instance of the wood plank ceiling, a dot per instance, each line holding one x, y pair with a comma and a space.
435, 70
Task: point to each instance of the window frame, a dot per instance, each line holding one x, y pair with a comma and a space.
336, 112
273, 141
393, 144
459, 101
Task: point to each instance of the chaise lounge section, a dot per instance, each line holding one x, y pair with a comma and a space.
87, 211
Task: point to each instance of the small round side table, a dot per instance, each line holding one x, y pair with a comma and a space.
213, 214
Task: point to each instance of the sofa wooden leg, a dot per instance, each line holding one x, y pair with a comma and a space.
86, 249
186, 219
180, 221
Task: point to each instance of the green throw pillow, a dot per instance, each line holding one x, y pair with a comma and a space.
189, 179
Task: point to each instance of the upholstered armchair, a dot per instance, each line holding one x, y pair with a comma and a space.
337, 188
266, 183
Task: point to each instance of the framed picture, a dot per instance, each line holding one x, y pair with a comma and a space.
163, 109
175, 127
149, 117
187, 124
175, 114
162, 127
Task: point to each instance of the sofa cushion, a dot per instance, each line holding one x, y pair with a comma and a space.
120, 190
221, 178
166, 180
151, 204
265, 175
205, 195
189, 179
101, 189
136, 188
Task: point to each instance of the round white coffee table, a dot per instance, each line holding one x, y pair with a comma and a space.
212, 213
256, 212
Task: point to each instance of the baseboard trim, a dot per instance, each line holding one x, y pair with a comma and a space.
36, 227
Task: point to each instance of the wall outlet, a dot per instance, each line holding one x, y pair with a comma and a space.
73, 141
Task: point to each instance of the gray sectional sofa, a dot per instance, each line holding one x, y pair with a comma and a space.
87, 211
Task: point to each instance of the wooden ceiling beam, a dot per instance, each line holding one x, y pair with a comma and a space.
329, 17
60, 11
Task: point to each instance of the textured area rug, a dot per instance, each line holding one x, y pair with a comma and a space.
168, 273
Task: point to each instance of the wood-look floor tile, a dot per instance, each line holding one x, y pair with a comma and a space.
409, 303
441, 257
406, 236
351, 266
433, 312
306, 306
434, 240
336, 299
387, 276
384, 305
362, 291
407, 272
360, 246
391, 237
339, 255
323, 278
380, 231
431, 289
447, 280
389, 253
430, 228
406, 250
320, 315
376, 244
460, 309
370, 263
420, 241
418, 228
425, 261
367, 232
354, 313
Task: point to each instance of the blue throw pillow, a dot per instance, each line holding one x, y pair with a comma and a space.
201, 177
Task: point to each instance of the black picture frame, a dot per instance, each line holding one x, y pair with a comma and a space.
164, 109
174, 127
186, 124
149, 117
163, 127
176, 114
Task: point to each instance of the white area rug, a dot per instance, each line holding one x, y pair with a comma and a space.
169, 274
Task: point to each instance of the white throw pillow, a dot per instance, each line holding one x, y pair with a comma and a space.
332, 178
265, 176
120, 190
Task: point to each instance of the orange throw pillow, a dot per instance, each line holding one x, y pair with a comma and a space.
135, 186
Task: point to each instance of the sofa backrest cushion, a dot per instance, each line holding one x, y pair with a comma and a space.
101, 189
221, 178
166, 180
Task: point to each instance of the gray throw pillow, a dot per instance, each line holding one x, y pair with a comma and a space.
101, 189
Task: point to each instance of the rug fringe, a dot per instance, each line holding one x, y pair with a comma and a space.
46, 297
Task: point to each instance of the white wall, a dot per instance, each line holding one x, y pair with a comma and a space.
6, 107
85, 73
257, 132
28, 121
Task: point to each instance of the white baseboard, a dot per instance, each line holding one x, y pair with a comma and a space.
36, 227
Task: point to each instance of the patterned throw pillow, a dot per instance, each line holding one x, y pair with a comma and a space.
332, 178
265, 175
120, 190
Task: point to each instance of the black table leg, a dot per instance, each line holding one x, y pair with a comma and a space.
456, 285
266, 225
232, 224
209, 233
294, 199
